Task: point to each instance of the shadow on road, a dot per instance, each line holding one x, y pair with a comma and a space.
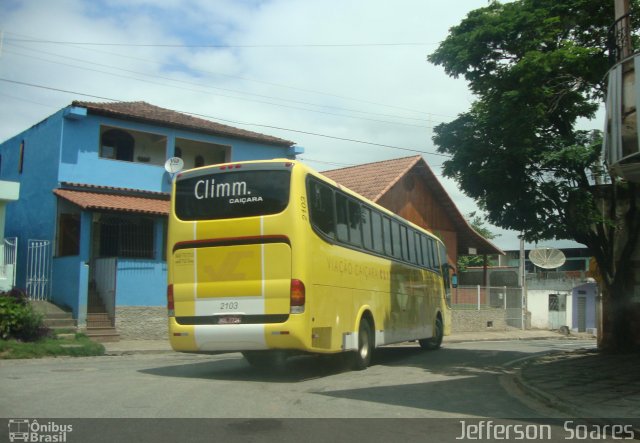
233, 367
448, 362
453, 381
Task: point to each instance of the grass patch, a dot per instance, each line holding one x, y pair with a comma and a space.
77, 346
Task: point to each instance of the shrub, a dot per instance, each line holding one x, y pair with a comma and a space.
18, 319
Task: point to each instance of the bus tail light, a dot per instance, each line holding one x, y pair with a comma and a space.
170, 304
297, 296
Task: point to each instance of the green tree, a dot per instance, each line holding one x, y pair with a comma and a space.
536, 67
477, 222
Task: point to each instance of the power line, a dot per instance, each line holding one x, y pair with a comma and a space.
298, 131
306, 159
224, 46
369, 102
223, 89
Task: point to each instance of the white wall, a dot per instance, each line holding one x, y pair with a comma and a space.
538, 305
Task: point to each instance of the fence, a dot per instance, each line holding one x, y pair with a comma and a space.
8, 255
104, 274
505, 302
39, 269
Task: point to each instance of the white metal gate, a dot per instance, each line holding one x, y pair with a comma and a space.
557, 311
39, 269
8, 255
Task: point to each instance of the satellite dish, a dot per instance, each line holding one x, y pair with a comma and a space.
174, 165
547, 258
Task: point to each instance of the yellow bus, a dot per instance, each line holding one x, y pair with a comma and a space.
271, 258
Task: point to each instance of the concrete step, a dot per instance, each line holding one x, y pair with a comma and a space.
54, 317
47, 308
97, 316
99, 321
99, 324
102, 335
59, 323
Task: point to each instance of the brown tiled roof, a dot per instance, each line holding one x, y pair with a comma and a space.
143, 111
374, 180
104, 198
114, 189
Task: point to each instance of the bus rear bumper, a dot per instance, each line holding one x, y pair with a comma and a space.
238, 337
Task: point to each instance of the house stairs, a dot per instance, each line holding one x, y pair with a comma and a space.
100, 325
55, 317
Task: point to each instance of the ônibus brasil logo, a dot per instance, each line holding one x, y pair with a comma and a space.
33, 431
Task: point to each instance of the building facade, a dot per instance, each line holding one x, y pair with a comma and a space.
94, 198
566, 296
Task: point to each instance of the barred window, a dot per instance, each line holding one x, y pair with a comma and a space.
126, 236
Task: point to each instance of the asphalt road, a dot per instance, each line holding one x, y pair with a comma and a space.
462, 382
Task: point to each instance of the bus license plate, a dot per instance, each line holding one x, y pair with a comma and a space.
230, 320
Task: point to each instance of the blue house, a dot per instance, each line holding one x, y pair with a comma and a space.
94, 198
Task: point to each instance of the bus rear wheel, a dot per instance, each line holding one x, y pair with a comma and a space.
366, 344
434, 342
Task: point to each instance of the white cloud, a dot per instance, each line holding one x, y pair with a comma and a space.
388, 83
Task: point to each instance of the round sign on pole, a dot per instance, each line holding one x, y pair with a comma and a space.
174, 165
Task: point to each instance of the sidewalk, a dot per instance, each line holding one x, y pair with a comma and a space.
586, 384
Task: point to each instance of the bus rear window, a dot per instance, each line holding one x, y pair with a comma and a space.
232, 194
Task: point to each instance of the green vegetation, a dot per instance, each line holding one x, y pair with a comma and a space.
23, 334
536, 67
57, 345
18, 319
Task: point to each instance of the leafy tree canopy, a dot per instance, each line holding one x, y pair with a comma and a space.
536, 67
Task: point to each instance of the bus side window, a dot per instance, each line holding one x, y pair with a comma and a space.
403, 241
419, 256
426, 256
395, 239
321, 202
412, 247
367, 230
378, 238
442, 253
388, 245
435, 261
341, 218
444, 268
355, 219
431, 253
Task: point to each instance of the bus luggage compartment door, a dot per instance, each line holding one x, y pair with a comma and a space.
241, 280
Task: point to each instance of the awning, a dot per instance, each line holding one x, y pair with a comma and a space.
114, 199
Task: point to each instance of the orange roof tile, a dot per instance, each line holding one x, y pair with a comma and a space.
146, 112
372, 180
114, 202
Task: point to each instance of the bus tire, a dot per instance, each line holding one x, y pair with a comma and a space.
366, 344
434, 342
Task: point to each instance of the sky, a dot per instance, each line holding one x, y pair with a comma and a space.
337, 77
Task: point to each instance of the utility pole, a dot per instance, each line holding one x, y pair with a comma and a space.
623, 28
523, 283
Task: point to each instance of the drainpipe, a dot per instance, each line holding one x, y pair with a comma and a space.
523, 283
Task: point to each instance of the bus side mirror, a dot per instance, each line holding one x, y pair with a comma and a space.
454, 280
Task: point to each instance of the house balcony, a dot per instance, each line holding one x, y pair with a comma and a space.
621, 141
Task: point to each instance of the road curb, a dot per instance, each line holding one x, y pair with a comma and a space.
556, 402
119, 353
